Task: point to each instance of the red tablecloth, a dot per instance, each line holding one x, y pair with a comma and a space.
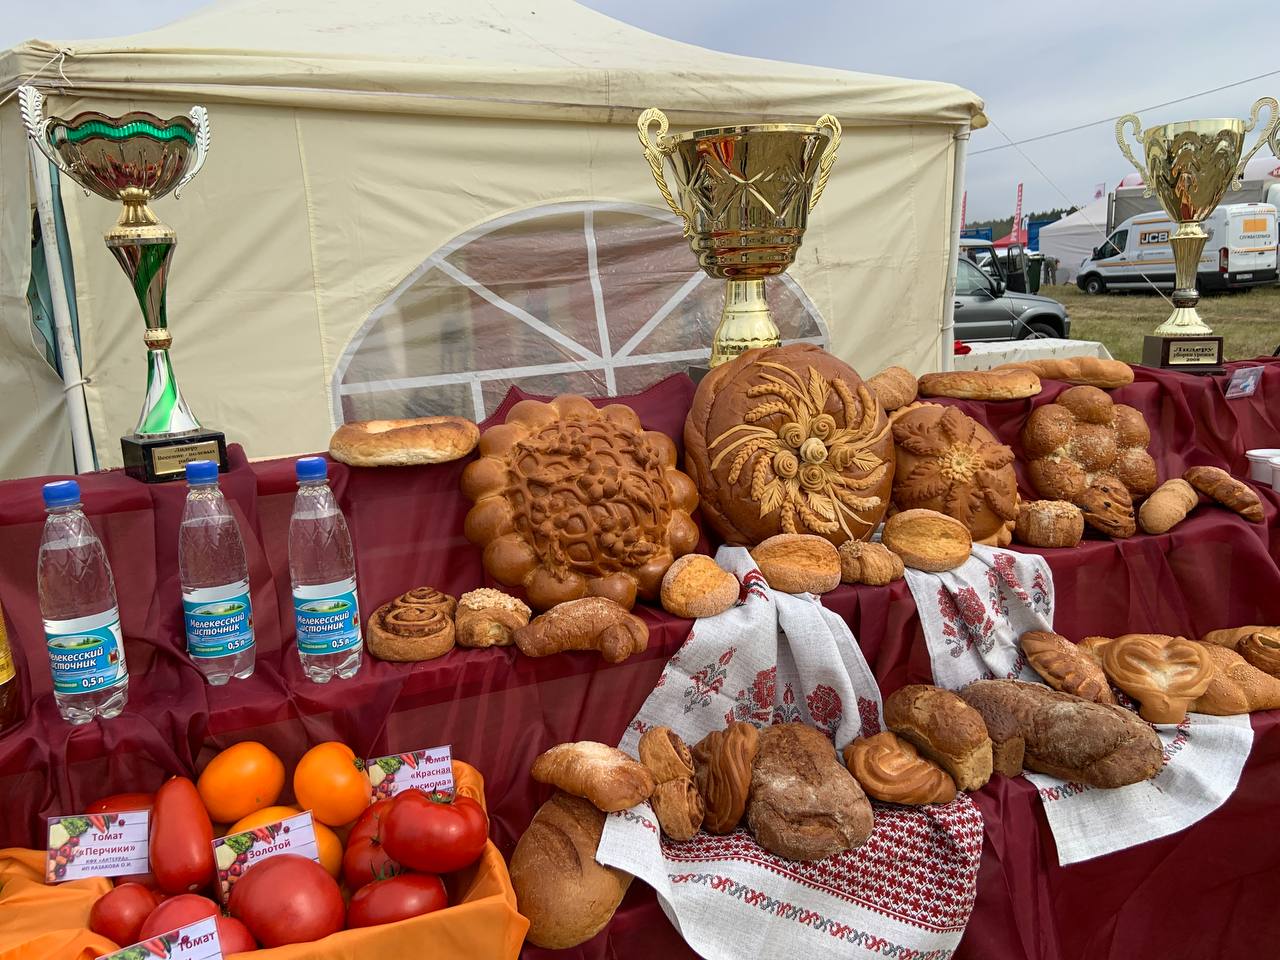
500, 710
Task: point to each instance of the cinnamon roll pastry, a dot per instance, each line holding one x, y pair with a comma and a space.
415, 626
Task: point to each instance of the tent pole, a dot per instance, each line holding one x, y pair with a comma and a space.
72, 378
948, 345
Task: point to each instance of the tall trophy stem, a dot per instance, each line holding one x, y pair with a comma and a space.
1187, 242
745, 323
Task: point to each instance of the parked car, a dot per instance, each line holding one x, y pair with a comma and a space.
1240, 252
987, 310
1008, 264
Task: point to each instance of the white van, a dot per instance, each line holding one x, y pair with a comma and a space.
1240, 251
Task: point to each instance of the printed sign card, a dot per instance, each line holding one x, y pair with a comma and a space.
428, 770
1244, 382
97, 845
237, 852
195, 941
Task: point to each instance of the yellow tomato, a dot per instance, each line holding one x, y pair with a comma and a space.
240, 780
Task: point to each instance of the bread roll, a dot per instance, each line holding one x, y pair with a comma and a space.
804, 804
1261, 648
1237, 686
1108, 507
1221, 486
871, 563
398, 443
567, 896
1061, 735
1065, 667
1014, 384
696, 586
722, 772
1090, 371
890, 768
1164, 674
945, 729
894, 387
487, 618
602, 774
1049, 523
1168, 506
665, 754
592, 623
927, 540
798, 563
679, 808
415, 626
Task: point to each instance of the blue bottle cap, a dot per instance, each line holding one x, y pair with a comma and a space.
202, 471
311, 468
61, 493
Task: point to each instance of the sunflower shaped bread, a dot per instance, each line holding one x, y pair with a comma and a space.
950, 463
789, 440
574, 501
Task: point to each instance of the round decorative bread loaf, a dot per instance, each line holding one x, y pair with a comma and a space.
1015, 384
871, 563
399, 443
950, 463
696, 586
574, 501
890, 768
1049, 523
789, 440
927, 540
1084, 439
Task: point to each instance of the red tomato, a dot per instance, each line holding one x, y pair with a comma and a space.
176, 912
287, 899
365, 859
397, 898
123, 803
119, 913
434, 834
234, 936
181, 838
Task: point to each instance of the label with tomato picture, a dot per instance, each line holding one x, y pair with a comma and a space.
237, 852
195, 941
97, 845
430, 771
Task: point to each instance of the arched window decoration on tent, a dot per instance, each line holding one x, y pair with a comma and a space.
585, 297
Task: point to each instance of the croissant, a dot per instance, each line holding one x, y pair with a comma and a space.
605, 775
592, 623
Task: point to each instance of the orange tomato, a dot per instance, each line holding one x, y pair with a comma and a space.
327, 841
240, 780
329, 783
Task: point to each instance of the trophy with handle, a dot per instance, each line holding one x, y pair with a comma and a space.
1189, 166
137, 158
744, 199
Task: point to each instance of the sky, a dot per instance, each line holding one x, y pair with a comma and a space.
1040, 68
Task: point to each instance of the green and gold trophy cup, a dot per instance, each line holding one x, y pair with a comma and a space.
137, 158
1189, 166
745, 196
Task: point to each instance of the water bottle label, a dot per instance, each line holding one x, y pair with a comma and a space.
328, 617
87, 653
219, 620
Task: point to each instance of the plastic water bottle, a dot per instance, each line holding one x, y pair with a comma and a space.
323, 570
215, 580
78, 604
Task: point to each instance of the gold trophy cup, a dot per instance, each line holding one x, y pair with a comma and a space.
1189, 166
745, 196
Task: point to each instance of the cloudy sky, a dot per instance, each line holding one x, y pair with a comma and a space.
1040, 68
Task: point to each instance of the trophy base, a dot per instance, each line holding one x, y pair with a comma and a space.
161, 459
1202, 355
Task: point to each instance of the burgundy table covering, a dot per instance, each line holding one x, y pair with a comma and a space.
1202, 892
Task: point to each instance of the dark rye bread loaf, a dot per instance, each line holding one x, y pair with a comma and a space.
1064, 736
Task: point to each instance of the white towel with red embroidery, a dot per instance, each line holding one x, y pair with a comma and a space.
779, 658
973, 617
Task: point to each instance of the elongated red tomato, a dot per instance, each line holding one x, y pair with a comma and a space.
436, 833
122, 803
181, 838
397, 898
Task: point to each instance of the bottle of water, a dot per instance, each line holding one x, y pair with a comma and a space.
78, 604
215, 580
323, 570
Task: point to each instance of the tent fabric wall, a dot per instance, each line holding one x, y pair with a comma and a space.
1074, 237
335, 172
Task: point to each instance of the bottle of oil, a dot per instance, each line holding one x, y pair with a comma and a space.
10, 695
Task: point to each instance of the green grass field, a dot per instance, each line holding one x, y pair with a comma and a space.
1248, 322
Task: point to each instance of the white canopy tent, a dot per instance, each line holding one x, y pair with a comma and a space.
412, 204
1073, 238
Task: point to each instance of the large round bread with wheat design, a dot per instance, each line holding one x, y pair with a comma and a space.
789, 440
573, 501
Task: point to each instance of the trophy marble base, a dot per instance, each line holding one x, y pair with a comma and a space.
1202, 355
161, 459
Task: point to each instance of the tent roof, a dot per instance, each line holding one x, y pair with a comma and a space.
547, 59
1091, 218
